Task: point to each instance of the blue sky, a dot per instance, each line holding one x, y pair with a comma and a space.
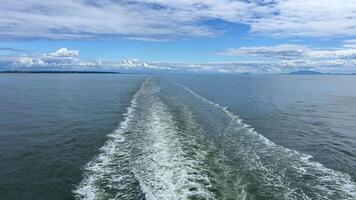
258, 36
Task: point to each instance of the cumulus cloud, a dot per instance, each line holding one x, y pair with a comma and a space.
28, 62
286, 59
67, 59
64, 58
293, 57
163, 19
64, 53
61, 58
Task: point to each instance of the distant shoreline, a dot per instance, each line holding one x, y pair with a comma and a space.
296, 73
311, 72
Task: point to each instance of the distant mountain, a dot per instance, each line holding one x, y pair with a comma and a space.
311, 72
306, 72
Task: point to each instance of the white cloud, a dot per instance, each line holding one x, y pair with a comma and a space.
64, 53
334, 54
28, 62
320, 18
287, 59
291, 52
293, 57
147, 39
349, 44
64, 58
132, 63
163, 19
279, 51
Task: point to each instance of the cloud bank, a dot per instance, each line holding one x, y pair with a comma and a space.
272, 59
293, 57
293, 52
161, 20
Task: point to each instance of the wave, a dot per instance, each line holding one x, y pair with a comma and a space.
175, 144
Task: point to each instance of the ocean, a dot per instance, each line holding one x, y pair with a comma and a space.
127, 136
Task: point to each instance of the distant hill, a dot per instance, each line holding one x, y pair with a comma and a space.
306, 72
311, 72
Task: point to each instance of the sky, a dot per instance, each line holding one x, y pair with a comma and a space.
223, 36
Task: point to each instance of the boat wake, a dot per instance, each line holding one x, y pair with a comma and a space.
175, 144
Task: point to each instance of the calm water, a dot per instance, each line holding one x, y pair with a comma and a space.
315, 115
51, 125
66, 136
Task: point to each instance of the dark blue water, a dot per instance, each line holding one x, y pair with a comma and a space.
315, 115
66, 136
51, 125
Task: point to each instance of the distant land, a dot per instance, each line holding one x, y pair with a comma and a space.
58, 72
299, 72
311, 72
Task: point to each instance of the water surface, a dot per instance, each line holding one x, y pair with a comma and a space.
177, 137
51, 125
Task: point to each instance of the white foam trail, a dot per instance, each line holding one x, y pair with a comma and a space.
327, 180
164, 171
227, 112
146, 148
150, 157
87, 189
